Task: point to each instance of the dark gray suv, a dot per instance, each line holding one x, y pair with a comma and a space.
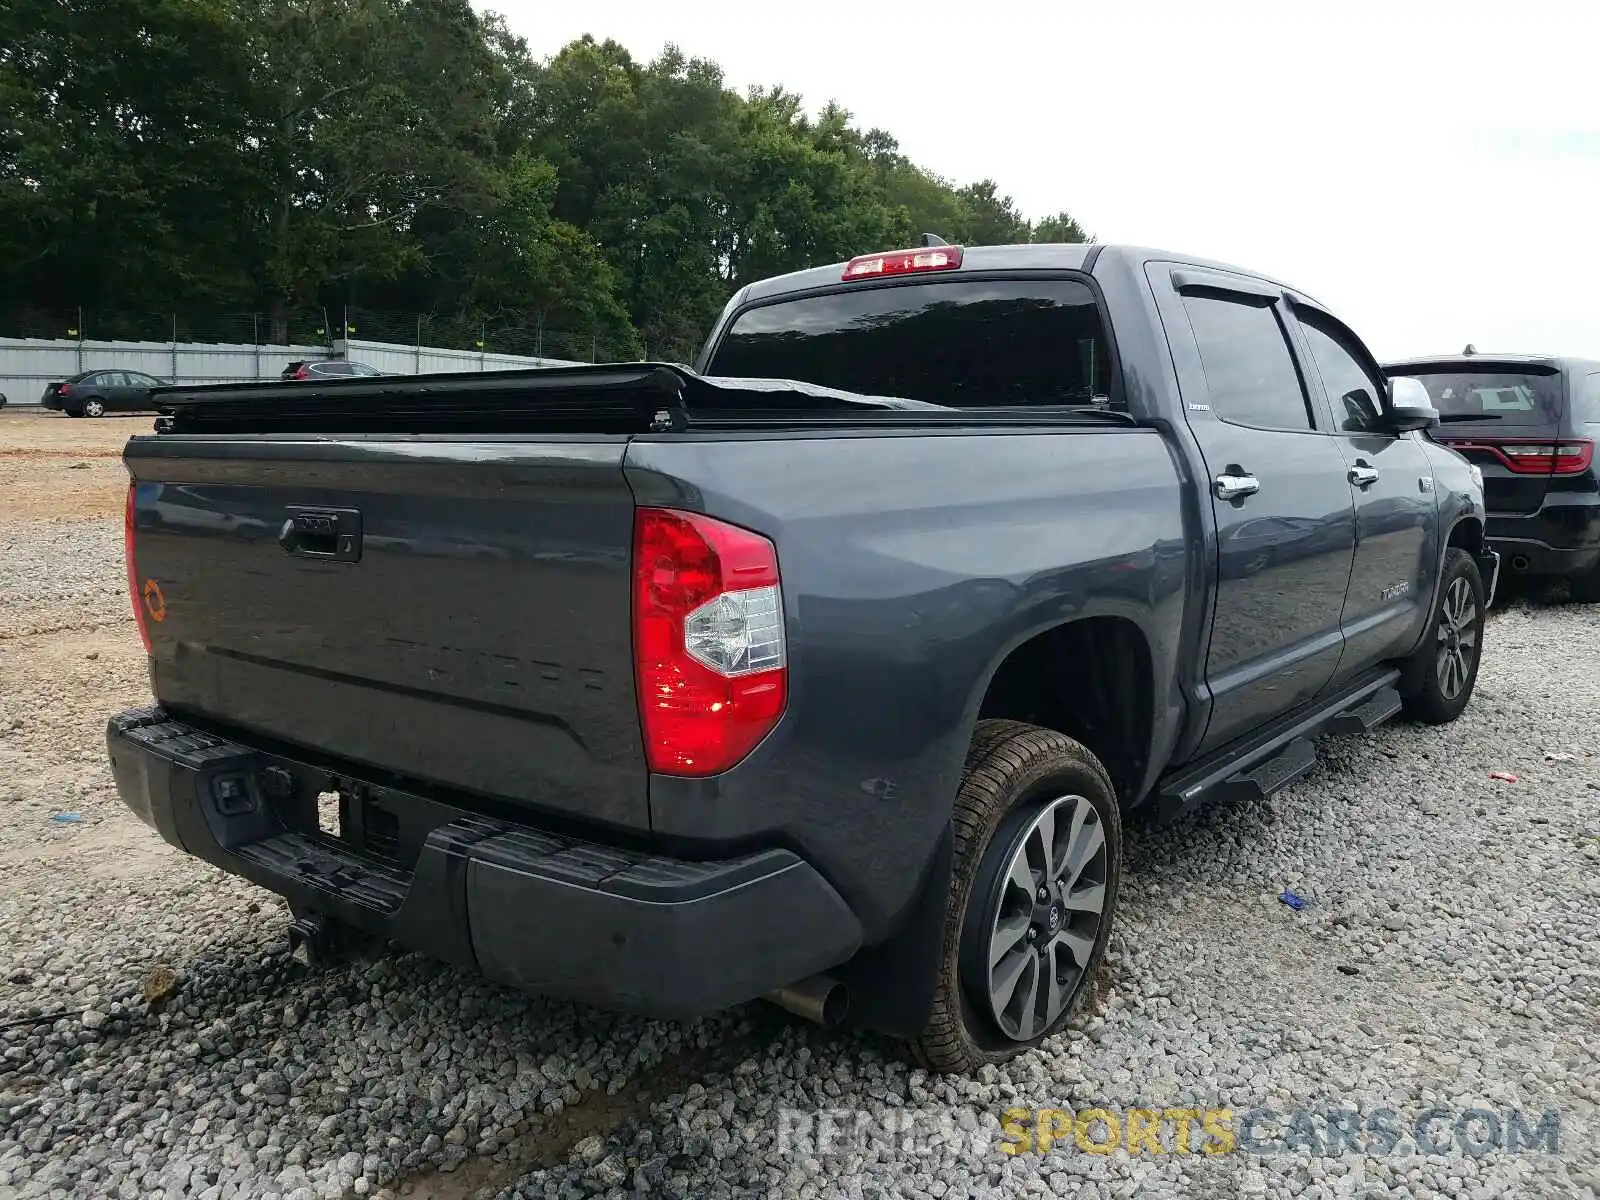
328, 368
1529, 423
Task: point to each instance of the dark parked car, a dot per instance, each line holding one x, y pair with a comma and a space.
669, 689
327, 368
95, 393
1529, 423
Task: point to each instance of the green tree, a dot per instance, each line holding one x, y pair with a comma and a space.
369, 113
988, 218
308, 156
1059, 228
122, 163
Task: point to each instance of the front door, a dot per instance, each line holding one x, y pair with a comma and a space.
1285, 521
1391, 481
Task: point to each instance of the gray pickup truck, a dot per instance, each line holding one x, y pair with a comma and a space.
827, 671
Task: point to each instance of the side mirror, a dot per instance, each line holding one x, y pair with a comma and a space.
1410, 407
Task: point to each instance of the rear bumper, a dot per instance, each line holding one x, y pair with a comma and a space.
540, 911
1557, 540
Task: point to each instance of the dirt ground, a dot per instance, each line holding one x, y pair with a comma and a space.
33, 484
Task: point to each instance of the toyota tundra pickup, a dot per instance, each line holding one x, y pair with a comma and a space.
825, 671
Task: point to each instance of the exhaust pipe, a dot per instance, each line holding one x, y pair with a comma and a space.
311, 939
820, 1000
1519, 562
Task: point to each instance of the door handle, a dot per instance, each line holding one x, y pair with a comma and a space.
1231, 486
328, 533
1363, 476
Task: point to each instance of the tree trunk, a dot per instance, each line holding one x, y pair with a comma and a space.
278, 322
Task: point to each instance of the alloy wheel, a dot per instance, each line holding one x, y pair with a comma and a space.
1458, 638
1044, 919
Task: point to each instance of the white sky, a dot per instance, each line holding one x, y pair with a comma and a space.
1430, 171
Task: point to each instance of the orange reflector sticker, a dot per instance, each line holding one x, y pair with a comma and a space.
154, 602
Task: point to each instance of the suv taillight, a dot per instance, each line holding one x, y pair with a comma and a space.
1548, 458
1529, 456
134, 594
708, 640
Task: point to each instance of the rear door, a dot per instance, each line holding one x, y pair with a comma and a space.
1391, 481
453, 609
1285, 521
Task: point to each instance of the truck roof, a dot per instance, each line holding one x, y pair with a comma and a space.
1046, 256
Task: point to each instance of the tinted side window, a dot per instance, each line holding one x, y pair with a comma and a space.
1249, 370
1354, 392
112, 379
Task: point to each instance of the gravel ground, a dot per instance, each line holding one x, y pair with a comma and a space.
1446, 956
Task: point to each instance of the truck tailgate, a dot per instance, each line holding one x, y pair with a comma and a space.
455, 610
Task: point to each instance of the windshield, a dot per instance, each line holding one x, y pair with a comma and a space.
964, 344
1503, 398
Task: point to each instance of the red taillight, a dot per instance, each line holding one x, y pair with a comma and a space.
1526, 457
63, 388
903, 262
303, 372
134, 593
708, 640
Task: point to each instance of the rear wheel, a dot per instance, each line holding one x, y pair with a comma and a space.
1438, 679
94, 407
1038, 860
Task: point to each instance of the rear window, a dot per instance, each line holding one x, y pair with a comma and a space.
1501, 398
970, 344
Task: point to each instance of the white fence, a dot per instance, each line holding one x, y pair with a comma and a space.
432, 360
28, 364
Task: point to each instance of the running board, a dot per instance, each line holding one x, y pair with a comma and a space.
1364, 718
1275, 774
1275, 757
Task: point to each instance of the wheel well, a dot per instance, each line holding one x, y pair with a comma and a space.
1091, 680
1468, 534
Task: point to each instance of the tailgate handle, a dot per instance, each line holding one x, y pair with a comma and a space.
328, 533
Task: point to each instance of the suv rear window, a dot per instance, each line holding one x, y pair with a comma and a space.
964, 344
1501, 398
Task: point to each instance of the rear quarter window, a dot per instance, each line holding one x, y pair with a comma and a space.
960, 343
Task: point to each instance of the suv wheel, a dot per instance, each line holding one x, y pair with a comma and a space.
1038, 860
94, 408
1437, 681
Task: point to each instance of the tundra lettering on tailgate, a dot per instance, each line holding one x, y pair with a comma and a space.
480, 670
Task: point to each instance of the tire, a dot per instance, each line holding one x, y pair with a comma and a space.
1585, 587
1432, 691
1014, 775
94, 407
